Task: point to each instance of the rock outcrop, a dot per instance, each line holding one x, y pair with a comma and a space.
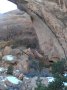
47, 21
17, 26
44, 26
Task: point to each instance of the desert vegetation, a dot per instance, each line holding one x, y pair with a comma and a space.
58, 70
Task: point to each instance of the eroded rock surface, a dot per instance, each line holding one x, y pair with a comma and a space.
47, 18
48, 21
17, 26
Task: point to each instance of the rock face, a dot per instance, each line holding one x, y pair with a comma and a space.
16, 25
48, 21
47, 17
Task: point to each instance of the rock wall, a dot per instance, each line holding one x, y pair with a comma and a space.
49, 21
47, 18
16, 25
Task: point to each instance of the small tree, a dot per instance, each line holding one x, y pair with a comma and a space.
57, 71
58, 67
10, 70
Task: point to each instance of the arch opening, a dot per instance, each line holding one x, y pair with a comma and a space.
6, 6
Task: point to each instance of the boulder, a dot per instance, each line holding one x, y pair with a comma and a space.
13, 83
33, 53
9, 59
16, 52
23, 64
28, 52
3, 87
2, 70
7, 50
13, 80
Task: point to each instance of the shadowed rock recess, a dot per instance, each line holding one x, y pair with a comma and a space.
50, 23
15, 26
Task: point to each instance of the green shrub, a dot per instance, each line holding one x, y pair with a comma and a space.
39, 84
65, 88
10, 70
58, 67
57, 84
41, 87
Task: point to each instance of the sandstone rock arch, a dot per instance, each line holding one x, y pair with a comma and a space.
48, 28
